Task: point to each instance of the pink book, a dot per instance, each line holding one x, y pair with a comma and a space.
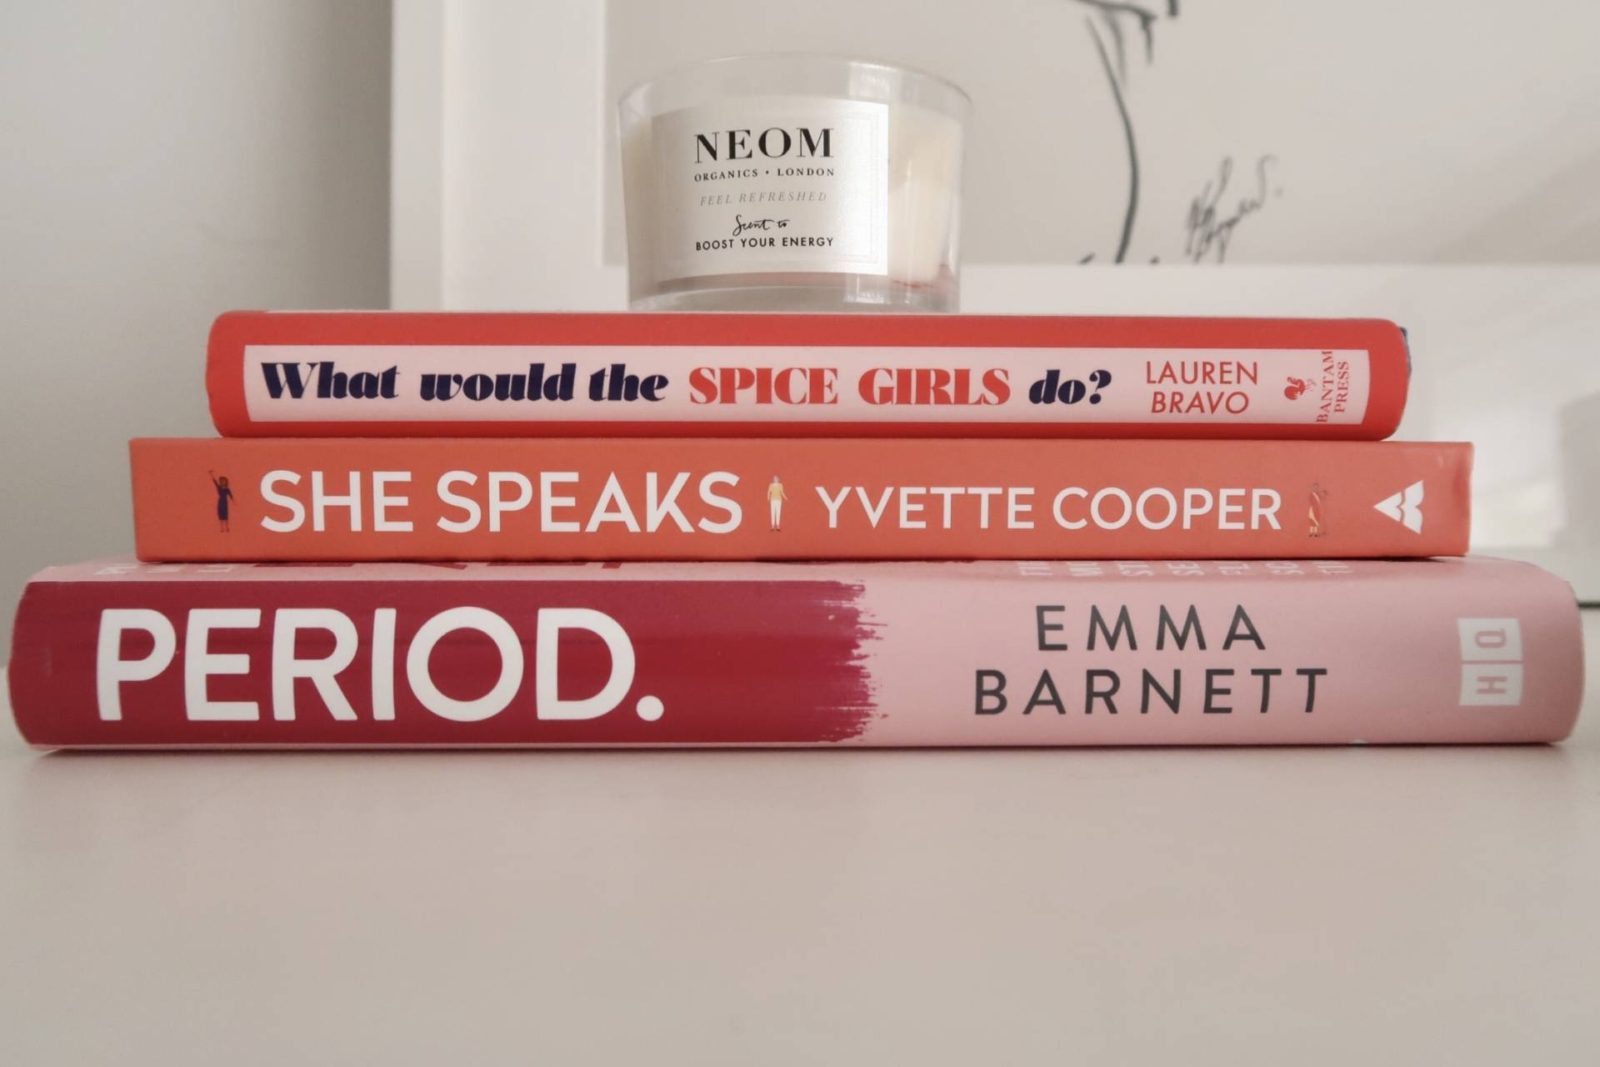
122, 654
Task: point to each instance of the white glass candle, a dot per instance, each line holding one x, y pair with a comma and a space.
793, 183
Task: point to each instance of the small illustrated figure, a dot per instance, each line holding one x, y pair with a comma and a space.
775, 498
224, 498
1296, 388
1318, 496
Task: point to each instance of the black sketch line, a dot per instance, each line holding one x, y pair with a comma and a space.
1114, 62
1114, 27
1110, 10
1208, 228
1132, 210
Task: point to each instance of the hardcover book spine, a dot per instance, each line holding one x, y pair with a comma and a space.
894, 655
379, 374
689, 499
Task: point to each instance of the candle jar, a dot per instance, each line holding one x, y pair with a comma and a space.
793, 183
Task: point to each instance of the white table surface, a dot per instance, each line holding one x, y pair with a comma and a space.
1308, 906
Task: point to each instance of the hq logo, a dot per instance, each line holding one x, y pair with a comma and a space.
1491, 662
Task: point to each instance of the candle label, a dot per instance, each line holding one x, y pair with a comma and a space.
772, 183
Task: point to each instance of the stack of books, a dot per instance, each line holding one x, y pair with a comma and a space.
722, 529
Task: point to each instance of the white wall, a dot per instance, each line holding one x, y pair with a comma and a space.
1453, 193
1423, 131
160, 162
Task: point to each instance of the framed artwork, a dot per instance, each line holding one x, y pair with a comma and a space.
1140, 157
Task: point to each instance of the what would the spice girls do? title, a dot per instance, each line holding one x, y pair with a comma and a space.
350, 374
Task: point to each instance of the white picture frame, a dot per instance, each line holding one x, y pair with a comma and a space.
499, 154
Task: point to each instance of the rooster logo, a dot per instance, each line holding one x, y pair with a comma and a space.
1296, 388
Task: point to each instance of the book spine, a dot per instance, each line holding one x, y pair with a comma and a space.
692, 499
1144, 654
415, 374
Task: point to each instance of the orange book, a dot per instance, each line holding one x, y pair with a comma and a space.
813, 498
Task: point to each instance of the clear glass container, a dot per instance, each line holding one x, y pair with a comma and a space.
793, 183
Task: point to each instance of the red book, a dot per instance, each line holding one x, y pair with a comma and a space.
812, 498
1177, 653
380, 374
